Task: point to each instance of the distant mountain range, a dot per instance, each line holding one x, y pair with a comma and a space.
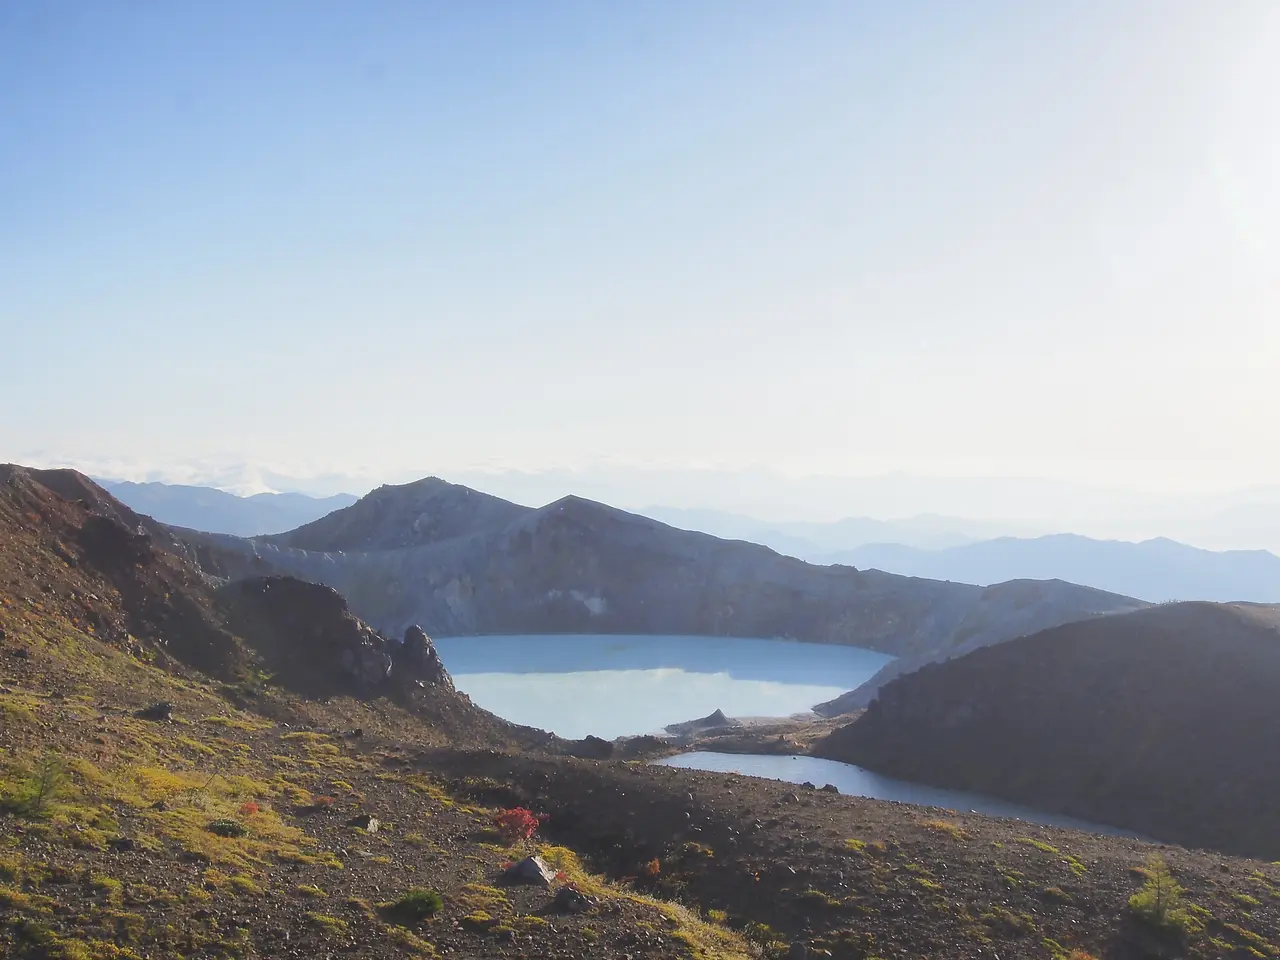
1154, 570
205, 508
932, 546
983, 553
816, 541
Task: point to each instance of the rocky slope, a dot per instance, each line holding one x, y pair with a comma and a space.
459, 562
72, 554
1162, 721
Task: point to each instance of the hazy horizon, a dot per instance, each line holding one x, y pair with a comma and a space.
981, 507
658, 243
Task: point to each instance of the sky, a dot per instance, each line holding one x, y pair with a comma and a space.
379, 240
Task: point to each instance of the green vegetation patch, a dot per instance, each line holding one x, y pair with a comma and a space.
413, 906
1072, 863
952, 830
330, 925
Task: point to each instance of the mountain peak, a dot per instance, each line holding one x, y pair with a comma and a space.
424, 485
404, 515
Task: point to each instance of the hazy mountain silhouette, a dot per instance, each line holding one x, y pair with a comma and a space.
726, 503
815, 541
216, 511
1153, 570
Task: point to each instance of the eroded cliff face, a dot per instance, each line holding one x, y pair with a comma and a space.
581, 567
306, 630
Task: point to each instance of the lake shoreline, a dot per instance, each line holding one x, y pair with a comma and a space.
609, 686
794, 735
776, 736
769, 739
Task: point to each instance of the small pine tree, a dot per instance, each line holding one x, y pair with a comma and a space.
1159, 902
35, 793
49, 778
1159, 896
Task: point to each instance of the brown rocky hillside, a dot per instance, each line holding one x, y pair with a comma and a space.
1162, 721
292, 801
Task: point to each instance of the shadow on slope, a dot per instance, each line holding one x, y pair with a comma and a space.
1163, 721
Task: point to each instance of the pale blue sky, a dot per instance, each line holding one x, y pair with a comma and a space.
998, 237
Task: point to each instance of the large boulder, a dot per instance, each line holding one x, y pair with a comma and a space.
531, 870
418, 659
367, 664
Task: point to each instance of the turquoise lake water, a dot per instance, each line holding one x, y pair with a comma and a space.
613, 686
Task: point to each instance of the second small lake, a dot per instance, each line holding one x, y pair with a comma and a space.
612, 686
860, 782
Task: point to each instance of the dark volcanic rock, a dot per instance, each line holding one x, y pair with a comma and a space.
157, 711
312, 636
315, 636
365, 822
570, 900
108, 541
590, 748
418, 658
1164, 721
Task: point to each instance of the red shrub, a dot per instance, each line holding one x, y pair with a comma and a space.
249, 809
517, 824
652, 868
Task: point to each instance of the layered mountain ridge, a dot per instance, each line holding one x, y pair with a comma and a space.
460, 562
